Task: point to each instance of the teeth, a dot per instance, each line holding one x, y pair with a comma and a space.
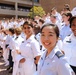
46, 43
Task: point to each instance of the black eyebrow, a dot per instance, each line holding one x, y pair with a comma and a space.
49, 32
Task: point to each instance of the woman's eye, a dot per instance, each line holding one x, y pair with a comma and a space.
50, 35
73, 25
28, 28
42, 34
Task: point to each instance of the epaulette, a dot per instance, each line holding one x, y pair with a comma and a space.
69, 35
69, 41
16, 38
6, 45
59, 54
35, 38
22, 41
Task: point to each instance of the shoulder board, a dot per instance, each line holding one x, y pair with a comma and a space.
69, 41
6, 45
22, 41
59, 54
69, 35
16, 38
35, 38
62, 24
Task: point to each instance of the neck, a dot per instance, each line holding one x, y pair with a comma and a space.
54, 21
28, 36
49, 51
67, 23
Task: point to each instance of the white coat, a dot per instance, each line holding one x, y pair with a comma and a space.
29, 50
16, 68
69, 48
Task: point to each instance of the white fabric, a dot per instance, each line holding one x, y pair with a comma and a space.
69, 49
16, 68
29, 49
73, 11
52, 65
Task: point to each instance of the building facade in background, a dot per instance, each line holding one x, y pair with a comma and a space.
16, 8
20, 8
59, 4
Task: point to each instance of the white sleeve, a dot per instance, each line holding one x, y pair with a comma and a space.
36, 48
64, 68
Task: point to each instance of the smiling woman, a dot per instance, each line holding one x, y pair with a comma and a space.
29, 49
73, 25
49, 36
69, 45
52, 62
28, 29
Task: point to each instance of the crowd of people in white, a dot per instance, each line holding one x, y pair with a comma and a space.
20, 40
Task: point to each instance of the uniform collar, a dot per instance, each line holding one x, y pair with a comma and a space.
72, 37
53, 52
30, 38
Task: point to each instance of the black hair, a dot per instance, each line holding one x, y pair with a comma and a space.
42, 21
68, 14
55, 27
12, 30
71, 20
35, 22
67, 8
36, 29
27, 23
53, 16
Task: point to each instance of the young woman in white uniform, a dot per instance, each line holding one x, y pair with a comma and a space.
69, 45
52, 62
29, 49
65, 28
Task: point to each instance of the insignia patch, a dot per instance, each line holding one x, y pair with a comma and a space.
59, 54
69, 41
22, 41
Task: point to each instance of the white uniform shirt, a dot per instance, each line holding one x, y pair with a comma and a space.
65, 31
52, 65
12, 43
69, 48
73, 11
17, 42
29, 50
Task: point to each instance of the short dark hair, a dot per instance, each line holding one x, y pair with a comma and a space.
67, 8
54, 16
42, 21
27, 23
55, 27
68, 14
71, 20
12, 30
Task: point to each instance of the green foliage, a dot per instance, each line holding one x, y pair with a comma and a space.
36, 10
